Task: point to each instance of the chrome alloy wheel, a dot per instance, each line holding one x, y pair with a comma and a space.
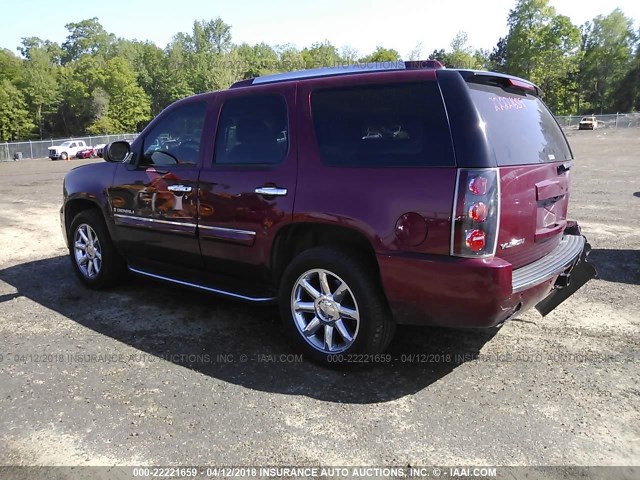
325, 311
87, 250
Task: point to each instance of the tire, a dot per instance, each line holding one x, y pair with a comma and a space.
64, 156
89, 237
358, 322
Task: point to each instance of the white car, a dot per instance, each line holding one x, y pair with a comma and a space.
588, 123
66, 150
98, 149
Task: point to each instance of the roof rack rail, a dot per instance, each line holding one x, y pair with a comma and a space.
350, 69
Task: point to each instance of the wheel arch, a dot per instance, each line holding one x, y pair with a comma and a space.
74, 206
297, 237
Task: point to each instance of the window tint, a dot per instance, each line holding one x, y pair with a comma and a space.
390, 125
520, 127
175, 140
252, 130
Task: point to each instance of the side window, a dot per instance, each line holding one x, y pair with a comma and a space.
252, 130
175, 140
73, 145
396, 125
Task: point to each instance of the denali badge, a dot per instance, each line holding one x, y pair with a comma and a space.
513, 243
124, 210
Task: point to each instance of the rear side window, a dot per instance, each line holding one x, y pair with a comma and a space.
252, 130
520, 127
397, 125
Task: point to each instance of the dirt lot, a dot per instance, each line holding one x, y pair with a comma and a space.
170, 385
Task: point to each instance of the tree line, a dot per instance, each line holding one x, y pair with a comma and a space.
95, 83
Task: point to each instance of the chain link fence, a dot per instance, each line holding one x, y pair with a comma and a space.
39, 148
616, 120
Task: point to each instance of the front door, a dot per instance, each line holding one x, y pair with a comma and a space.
247, 192
154, 199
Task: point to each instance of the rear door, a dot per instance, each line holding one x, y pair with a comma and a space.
534, 159
247, 190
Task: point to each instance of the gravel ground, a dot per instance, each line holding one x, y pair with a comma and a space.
130, 377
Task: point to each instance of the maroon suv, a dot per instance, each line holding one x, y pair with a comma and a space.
357, 197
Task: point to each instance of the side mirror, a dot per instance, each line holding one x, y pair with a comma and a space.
116, 151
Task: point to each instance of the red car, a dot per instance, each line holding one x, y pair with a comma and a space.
356, 198
86, 153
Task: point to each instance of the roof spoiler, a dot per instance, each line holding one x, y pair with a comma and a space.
502, 80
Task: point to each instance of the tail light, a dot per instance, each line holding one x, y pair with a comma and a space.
476, 211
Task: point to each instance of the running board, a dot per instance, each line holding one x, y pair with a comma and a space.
216, 291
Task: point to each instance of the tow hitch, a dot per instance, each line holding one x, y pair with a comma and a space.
570, 280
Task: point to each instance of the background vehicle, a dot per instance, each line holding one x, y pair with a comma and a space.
283, 189
98, 149
588, 123
66, 150
86, 153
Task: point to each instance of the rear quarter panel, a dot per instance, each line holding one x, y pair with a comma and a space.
371, 200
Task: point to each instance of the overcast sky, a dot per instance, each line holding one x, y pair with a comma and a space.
361, 24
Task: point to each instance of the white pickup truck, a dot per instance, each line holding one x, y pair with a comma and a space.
66, 150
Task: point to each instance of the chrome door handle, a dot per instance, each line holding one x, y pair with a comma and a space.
271, 191
180, 188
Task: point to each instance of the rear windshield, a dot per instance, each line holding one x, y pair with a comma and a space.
520, 127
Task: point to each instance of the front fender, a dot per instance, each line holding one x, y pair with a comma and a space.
84, 187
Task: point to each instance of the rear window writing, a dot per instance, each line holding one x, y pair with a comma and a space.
520, 127
502, 103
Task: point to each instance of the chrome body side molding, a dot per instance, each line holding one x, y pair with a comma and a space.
186, 228
233, 235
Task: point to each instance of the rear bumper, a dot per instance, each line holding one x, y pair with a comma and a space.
549, 266
461, 292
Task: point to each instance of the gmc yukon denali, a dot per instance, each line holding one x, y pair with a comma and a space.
357, 198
